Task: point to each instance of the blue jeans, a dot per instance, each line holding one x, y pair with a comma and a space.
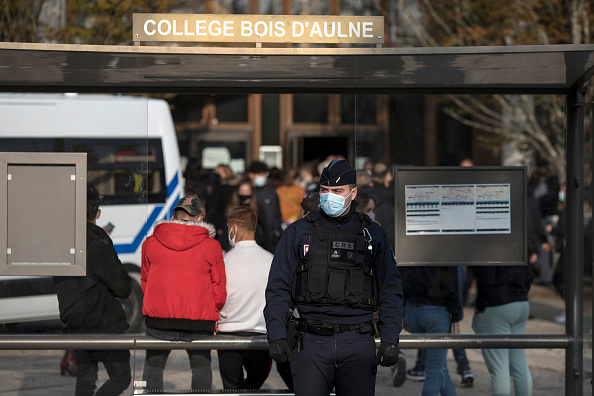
117, 364
502, 363
432, 319
459, 354
156, 360
459, 357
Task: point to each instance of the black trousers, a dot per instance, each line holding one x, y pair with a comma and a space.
117, 364
343, 361
233, 362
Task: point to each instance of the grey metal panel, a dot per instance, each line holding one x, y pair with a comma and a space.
40, 215
86, 68
43, 214
473, 249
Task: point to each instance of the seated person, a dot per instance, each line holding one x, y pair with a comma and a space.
247, 266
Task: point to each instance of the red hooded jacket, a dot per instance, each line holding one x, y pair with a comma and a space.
182, 276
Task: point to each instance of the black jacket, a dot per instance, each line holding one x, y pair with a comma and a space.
269, 208
88, 304
500, 285
432, 286
293, 247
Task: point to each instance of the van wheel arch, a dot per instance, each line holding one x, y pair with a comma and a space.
133, 304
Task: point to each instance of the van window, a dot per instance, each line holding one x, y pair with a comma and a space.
124, 171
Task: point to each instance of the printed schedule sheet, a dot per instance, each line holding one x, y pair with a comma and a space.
458, 209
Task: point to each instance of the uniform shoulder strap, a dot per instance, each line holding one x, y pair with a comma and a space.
313, 217
314, 221
364, 219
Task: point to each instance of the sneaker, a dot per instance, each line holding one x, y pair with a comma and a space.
416, 374
399, 372
467, 379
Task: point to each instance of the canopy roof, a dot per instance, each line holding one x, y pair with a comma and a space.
556, 69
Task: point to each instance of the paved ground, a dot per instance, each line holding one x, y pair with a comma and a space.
35, 373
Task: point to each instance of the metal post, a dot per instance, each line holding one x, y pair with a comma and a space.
575, 243
591, 263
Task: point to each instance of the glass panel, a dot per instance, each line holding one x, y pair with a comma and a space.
136, 176
138, 173
588, 295
270, 120
310, 108
233, 156
427, 130
232, 108
360, 109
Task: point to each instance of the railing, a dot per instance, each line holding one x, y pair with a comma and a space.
141, 341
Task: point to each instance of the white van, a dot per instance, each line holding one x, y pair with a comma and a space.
133, 160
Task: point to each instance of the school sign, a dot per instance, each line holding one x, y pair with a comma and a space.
233, 28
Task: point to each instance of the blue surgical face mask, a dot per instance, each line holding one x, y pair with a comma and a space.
333, 204
260, 181
371, 216
561, 196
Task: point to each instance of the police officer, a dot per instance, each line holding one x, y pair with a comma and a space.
334, 267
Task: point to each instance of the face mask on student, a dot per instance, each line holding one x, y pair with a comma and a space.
260, 181
232, 240
333, 204
243, 198
303, 182
561, 196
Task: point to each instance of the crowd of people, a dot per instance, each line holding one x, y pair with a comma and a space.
304, 257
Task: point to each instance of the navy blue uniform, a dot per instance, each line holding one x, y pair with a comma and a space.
349, 357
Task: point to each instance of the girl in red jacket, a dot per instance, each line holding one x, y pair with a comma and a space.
184, 285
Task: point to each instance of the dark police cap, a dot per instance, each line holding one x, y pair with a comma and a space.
338, 173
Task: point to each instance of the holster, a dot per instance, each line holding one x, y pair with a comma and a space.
376, 328
292, 333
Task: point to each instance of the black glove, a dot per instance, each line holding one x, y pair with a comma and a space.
387, 354
280, 351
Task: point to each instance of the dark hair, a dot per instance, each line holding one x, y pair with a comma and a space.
234, 200
243, 217
363, 200
258, 167
379, 170
93, 199
311, 203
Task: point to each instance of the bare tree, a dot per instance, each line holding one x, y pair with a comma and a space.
104, 21
532, 123
19, 20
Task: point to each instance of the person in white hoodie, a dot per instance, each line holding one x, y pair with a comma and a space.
246, 267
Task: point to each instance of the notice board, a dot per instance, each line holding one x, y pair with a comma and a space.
460, 216
43, 214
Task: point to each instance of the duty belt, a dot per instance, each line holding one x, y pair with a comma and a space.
323, 328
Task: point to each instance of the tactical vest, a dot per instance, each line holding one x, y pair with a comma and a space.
337, 268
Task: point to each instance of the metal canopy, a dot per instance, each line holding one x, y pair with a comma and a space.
557, 69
